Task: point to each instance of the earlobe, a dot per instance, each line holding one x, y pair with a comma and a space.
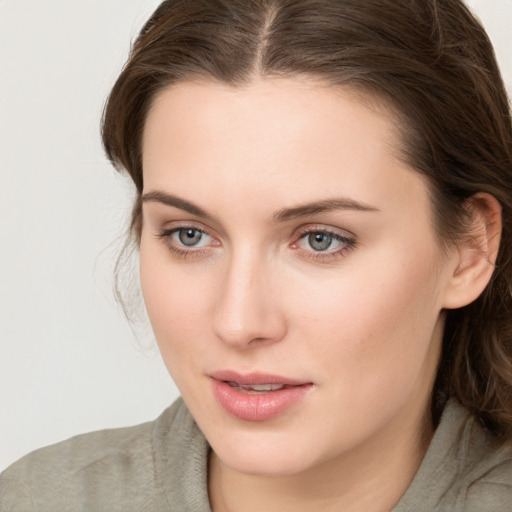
476, 253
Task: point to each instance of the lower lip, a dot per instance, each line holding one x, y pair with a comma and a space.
258, 406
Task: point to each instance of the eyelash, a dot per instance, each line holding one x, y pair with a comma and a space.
347, 243
181, 251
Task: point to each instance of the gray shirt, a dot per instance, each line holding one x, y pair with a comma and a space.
162, 466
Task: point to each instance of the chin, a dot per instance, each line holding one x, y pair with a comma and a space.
263, 455
270, 465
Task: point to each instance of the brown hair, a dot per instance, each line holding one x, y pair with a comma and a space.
430, 60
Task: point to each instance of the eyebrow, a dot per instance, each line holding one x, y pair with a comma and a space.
283, 215
317, 207
176, 202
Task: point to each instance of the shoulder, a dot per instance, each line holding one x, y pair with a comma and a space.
484, 468
464, 469
489, 475
492, 491
113, 466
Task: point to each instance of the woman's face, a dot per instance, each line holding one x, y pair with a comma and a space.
290, 271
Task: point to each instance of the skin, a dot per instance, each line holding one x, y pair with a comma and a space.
362, 321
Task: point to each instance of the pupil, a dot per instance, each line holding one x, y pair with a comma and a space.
190, 237
320, 241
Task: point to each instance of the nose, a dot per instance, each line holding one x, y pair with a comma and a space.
248, 310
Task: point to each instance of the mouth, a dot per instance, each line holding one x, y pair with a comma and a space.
256, 396
258, 389
255, 380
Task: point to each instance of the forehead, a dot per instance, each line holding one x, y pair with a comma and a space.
281, 139
295, 103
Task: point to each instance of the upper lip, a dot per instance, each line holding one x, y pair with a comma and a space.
246, 379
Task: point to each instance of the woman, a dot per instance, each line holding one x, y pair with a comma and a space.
323, 215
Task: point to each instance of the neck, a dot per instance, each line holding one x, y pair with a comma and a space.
371, 478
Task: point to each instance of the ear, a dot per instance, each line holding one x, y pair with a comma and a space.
475, 256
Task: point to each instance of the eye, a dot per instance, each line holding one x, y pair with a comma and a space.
187, 241
323, 244
189, 237
320, 241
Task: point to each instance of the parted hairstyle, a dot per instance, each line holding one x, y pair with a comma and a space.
430, 61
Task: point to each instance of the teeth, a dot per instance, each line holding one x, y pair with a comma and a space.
258, 388
264, 387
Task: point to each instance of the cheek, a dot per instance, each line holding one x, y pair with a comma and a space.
372, 340
375, 316
176, 301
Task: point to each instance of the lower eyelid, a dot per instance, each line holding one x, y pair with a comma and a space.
176, 234
346, 245
331, 254
169, 235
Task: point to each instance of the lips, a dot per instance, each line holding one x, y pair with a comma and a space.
256, 388
255, 378
257, 396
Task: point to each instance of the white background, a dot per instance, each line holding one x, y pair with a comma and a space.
68, 361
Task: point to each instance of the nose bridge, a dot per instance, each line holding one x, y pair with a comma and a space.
248, 309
